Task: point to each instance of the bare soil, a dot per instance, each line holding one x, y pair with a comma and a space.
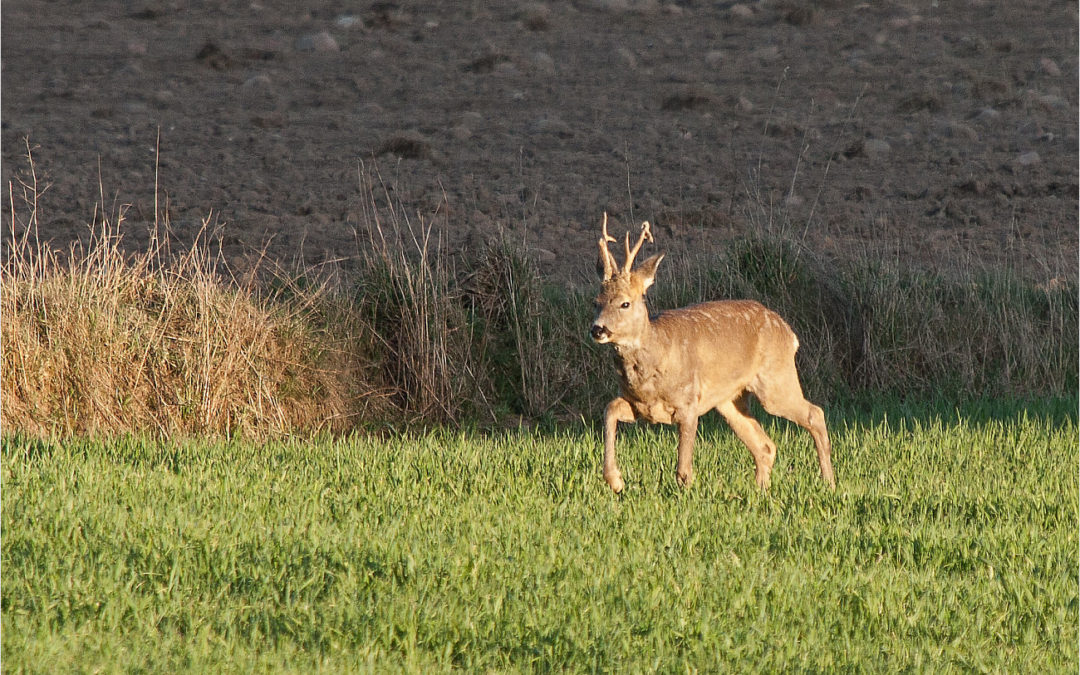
932, 131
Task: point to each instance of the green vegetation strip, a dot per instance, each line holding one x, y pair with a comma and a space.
950, 545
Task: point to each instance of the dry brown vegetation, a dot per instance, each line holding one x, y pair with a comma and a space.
100, 341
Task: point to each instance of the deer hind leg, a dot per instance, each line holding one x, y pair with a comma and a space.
781, 394
618, 410
753, 436
684, 466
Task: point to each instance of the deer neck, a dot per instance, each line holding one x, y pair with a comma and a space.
639, 346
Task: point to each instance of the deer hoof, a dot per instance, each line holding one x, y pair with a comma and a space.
615, 481
762, 481
684, 478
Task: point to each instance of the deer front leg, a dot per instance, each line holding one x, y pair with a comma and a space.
618, 410
684, 467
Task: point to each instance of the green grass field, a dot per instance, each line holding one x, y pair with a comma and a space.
951, 544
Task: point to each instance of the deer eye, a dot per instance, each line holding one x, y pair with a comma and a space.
625, 305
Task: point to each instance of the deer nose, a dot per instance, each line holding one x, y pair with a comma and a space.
599, 331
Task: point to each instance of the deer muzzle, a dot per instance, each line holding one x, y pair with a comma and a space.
600, 333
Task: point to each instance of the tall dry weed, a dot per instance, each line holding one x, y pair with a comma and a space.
421, 342
533, 337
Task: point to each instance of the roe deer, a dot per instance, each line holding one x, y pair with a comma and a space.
679, 364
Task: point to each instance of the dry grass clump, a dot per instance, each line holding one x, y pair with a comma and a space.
533, 338
99, 341
420, 342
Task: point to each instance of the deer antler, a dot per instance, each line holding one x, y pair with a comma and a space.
646, 233
605, 254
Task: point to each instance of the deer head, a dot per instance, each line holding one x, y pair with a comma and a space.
621, 314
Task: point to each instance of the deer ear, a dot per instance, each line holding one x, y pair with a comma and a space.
646, 271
